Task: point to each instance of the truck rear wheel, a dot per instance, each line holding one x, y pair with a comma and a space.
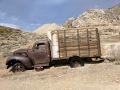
76, 62
18, 67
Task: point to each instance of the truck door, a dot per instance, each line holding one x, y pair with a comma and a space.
40, 53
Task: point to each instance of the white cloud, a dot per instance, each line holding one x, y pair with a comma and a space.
9, 25
14, 18
35, 24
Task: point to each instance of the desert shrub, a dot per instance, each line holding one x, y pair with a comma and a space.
6, 53
3, 44
113, 52
23, 41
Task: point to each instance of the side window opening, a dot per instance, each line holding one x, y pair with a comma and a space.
41, 46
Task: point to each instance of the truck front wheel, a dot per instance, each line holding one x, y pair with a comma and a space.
76, 62
18, 67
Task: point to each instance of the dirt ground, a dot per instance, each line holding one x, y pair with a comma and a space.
93, 76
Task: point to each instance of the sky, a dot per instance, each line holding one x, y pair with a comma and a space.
31, 14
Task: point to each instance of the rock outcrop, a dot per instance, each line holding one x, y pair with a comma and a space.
95, 17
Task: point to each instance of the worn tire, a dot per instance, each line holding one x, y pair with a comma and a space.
76, 62
18, 67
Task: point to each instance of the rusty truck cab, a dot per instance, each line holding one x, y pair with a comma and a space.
41, 52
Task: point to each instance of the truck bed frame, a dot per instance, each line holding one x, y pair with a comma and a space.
84, 43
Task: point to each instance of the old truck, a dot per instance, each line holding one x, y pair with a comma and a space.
71, 45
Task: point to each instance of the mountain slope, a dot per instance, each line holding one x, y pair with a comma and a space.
95, 17
12, 39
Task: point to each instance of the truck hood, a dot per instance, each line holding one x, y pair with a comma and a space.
21, 50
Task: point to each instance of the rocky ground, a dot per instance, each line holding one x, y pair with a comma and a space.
93, 76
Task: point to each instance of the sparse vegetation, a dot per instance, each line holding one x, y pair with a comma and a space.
113, 52
12, 39
6, 52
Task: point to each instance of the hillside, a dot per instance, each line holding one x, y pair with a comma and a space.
12, 39
95, 17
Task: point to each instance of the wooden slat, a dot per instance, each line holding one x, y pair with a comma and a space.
73, 44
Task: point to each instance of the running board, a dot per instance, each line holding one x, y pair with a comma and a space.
40, 65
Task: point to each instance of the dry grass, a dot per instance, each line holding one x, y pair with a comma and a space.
113, 52
6, 53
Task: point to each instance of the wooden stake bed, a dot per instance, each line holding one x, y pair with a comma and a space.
78, 42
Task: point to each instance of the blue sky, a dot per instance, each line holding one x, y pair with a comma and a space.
31, 14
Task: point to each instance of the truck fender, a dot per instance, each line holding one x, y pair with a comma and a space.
24, 60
